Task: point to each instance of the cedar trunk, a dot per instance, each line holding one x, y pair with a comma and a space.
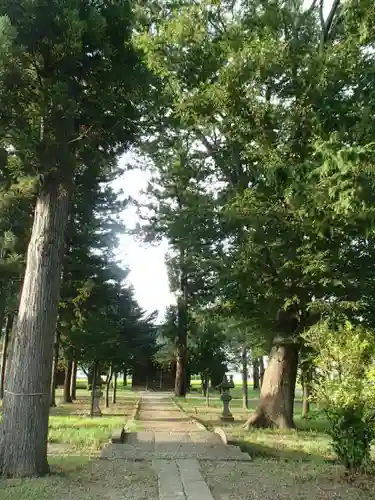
180, 382
261, 370
276, 402
27, 394
114, 393
255, 374
182, 325
8, 329
73, 384
245, 391
207, 389
94, 378
67, 381
54, 369
204, 385
107, 386
306, 400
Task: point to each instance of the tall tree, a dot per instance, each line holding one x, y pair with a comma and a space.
64, 94
269, 83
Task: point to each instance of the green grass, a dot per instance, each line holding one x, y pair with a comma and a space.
70, 425
81, 432
309, 441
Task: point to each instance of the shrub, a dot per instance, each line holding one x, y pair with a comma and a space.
344, 388
352, 431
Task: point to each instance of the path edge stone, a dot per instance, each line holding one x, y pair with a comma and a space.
119, 434
199, 424
220, 432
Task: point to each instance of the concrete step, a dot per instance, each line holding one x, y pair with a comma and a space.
149, 450
149, 437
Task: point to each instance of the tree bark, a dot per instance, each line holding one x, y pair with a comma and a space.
255, 374
180, 382
27, 394
93, 386
207, 389
54, 369
245, 391
73, 384
261, 371
107, 385
124, 381
67, 382
8, 329
306, 399
182, 325
204, 384
114, 393
276, 402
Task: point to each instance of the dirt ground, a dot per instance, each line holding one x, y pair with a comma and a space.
74, 479
281, 480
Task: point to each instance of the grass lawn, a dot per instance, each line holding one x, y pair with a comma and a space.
293, 464
71, 430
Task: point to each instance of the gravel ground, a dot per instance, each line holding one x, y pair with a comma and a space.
281, 480
93, 480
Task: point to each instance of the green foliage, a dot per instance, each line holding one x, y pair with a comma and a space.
352, 430
207, 346
344, 386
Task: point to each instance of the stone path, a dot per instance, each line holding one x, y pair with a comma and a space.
174, 443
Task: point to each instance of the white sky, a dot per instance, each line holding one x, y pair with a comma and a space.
148, 273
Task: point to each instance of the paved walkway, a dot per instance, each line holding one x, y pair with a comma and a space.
174, 443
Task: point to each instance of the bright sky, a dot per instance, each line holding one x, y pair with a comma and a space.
148, 273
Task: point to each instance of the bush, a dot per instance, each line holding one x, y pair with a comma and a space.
352, 431
344, 388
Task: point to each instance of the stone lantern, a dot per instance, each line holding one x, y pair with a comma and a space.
226, 398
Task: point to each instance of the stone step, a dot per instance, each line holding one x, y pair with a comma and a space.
173, 451
198, 437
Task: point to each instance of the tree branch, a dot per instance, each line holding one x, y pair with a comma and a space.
322, 22
312, 7
327, 25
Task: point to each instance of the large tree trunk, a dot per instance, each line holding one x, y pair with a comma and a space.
276, 402
114, 393
27, 394
255, 363
4, 354
124, 380
261, 370
67, 382
245, 391
54, 369
73, 384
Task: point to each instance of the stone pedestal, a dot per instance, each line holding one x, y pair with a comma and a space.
226, 398
96, 408
226, 415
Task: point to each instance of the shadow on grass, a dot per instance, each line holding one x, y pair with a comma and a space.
166, 419
256, 450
